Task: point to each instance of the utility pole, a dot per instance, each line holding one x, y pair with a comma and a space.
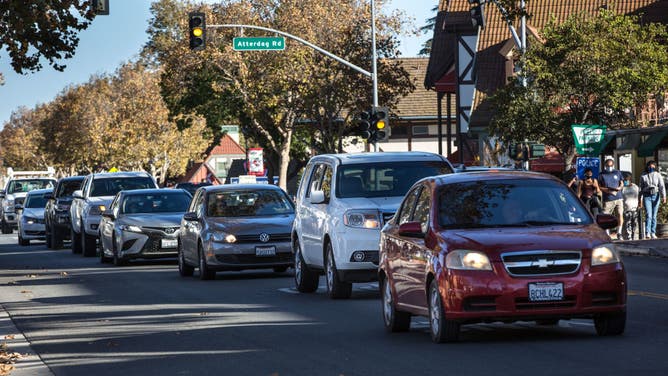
374, 69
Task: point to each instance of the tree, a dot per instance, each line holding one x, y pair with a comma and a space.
428, 28
589, 70
32, 30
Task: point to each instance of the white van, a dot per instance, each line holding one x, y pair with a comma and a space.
342, 203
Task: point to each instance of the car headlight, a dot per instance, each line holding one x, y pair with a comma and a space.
9, 205
467, 260
362, 219
29, 220
604, 254
97, 209
131, 228
221, 237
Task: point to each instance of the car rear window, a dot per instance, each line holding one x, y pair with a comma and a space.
386, 179
245, 203
511, 202
111, 186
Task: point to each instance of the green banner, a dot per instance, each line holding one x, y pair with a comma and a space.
588, 138
258, 44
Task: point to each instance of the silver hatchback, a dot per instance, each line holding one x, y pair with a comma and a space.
236, 227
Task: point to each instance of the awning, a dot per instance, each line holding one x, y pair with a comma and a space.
629, 142
651, 142
606, 141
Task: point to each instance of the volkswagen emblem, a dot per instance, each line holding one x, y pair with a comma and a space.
264, 237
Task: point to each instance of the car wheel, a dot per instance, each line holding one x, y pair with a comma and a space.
394, 320
205, 273
6, 228
88, 245
118, 260
280, 269
23, 242
76, 241
441, 329
306, 280
185, 270
56, 240
610, 324
47, 237
336, 289
103, 258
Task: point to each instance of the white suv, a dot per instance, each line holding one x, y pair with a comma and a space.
342, 202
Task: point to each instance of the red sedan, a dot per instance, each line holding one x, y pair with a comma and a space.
498, 246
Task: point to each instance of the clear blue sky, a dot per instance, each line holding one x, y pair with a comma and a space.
114, 39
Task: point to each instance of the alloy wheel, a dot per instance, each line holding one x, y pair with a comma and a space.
387, 303
435, 310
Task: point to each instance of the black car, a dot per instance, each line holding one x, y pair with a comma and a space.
57, 211
191, 187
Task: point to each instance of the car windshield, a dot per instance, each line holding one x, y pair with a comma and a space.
66, 188
246, 203
35, 201
111, 186
27, 185
163, 202
509, 203
385, 179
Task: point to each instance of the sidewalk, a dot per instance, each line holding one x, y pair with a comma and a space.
647, 247
29, 363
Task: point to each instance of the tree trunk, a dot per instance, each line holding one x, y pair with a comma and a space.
285, 160
568, 159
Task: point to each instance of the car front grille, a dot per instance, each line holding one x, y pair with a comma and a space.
252, 259
541, 263
255, 238
154, 242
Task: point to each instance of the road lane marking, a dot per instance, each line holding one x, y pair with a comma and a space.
647, 294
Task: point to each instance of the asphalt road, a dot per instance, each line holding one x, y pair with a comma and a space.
85, 318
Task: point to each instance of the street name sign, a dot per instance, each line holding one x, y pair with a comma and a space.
588, 138
258, 43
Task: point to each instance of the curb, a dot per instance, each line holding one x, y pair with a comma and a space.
30, 363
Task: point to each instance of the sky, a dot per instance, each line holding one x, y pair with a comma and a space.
117, 38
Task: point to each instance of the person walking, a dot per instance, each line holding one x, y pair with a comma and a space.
651, 189
611, 183
588, 191
631, 195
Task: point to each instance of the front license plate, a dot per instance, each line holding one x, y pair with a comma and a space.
265, 251
546, 291
168, 243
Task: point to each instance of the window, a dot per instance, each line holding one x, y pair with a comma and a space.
247, 203
422, 209
420, 130
326, 184
316, 178
111, 186
167, 202
35, 201
407, 207
16, 186
66, 188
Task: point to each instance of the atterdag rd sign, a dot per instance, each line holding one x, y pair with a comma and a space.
588, 138
258, 44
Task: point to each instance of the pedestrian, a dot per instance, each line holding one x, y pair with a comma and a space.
570, 177
611, 183
631, 195
651, 189
588, 191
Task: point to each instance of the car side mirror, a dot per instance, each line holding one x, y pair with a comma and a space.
607, 221
2, 193
18, 207
317, 197
190, 216
77, 194
411, 230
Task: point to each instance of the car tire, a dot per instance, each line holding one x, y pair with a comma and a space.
205, 273
610, 324
118, 260
76, 241
88, 245
336, 289
103, 259
56, 240
6, 228
185, 270
394, 320
23, 242
280, 269
306, 280
441, 329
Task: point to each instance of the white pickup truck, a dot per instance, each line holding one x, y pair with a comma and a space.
18, 184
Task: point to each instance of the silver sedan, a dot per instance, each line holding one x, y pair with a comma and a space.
142, 223
235, 227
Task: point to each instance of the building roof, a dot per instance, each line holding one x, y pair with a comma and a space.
454, 16
421, 102
227, 146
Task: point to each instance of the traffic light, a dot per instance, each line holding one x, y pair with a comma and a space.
380, 124
477, 13
363, 126
197, 27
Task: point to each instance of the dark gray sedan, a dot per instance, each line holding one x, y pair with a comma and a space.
235, 227
142, 223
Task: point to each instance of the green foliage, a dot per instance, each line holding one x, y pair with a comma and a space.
589, 70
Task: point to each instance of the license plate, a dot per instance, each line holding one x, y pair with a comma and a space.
546, 291
168, 243
265, 251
